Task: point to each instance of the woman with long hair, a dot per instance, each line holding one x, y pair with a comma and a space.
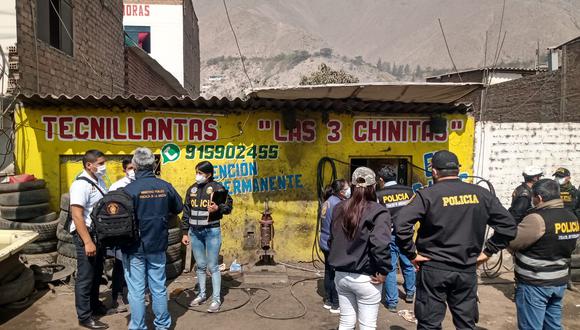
359, 252
336, 192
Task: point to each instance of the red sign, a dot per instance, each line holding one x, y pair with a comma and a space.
136, 10
79, 128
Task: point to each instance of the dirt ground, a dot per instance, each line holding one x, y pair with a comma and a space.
55, 309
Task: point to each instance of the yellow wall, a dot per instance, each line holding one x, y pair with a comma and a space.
55, 157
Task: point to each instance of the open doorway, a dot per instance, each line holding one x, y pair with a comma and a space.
375, 163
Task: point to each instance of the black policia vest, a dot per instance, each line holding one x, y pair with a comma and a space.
568, 195
200, 198
546, 262
395, 197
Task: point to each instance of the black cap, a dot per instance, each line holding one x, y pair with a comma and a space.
205, 167
562, 172
445, 160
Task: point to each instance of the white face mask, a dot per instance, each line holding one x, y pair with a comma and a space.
200, 178
101, 170
347, 193
561, 181
131, 174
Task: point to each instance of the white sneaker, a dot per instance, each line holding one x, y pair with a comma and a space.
326, 306
334, 310
214, 307
199, 300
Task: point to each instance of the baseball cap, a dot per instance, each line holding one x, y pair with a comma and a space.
365, 174
445, 160
562, 172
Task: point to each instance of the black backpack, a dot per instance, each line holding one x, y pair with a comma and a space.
114, 220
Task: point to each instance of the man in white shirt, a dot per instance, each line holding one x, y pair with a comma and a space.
87, 189
118, 281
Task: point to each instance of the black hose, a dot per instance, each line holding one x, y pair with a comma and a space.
320, 184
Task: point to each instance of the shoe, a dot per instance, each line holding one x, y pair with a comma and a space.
93, 324
199, 300
572, 287
214, 307
326, 306
118, 307
334, 310
409, 298
392, 309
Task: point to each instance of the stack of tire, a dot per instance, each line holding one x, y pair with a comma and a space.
16, 283
575, 264
24, 206
66, 248
174, 253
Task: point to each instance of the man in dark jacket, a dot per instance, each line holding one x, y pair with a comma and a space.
453, 216
522, 195
568, 193
543, 247
394, 196
144, 262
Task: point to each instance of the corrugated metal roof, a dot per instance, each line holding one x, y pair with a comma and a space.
496, 70
418, 98
386, 92
566, 43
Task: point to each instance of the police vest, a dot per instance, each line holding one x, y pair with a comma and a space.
546, 262
201, 197
395, 197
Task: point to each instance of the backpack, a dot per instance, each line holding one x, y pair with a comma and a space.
114, 220
69, 218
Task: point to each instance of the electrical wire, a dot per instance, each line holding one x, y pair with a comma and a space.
238, 45
449, 51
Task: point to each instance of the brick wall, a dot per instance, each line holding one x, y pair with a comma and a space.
143, 78
545, 97
503, 150
96, 66
191, 64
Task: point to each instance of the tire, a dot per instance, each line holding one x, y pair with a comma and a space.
62, 216
575, 275
46, 231
21, 186
18, 289
65, 202
174, 236
39, 247
25, 197
575, 263
63, 235
174, 269
39, 259
173, 253
66, 261
11, 269
67, 249
43, 218
24, 212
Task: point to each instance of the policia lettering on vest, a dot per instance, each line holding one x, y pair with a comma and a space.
453, 217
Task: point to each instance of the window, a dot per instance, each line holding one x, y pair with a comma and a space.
54, 23
139, 36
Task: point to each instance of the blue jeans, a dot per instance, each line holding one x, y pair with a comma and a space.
142, 271
539, 307
205, 245
408, 270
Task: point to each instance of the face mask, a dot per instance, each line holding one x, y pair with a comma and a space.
561, 181
200, 178
347, 193
101, 170
131, 174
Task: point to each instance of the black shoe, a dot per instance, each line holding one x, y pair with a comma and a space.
409, 298
93, 324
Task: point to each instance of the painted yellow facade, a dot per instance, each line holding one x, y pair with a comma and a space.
254, 156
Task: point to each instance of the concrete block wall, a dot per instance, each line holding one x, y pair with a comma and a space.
142, 79
503, 150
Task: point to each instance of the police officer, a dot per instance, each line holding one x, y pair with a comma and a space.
543, 247
453, 216
394, 196
568, 193
522, 195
